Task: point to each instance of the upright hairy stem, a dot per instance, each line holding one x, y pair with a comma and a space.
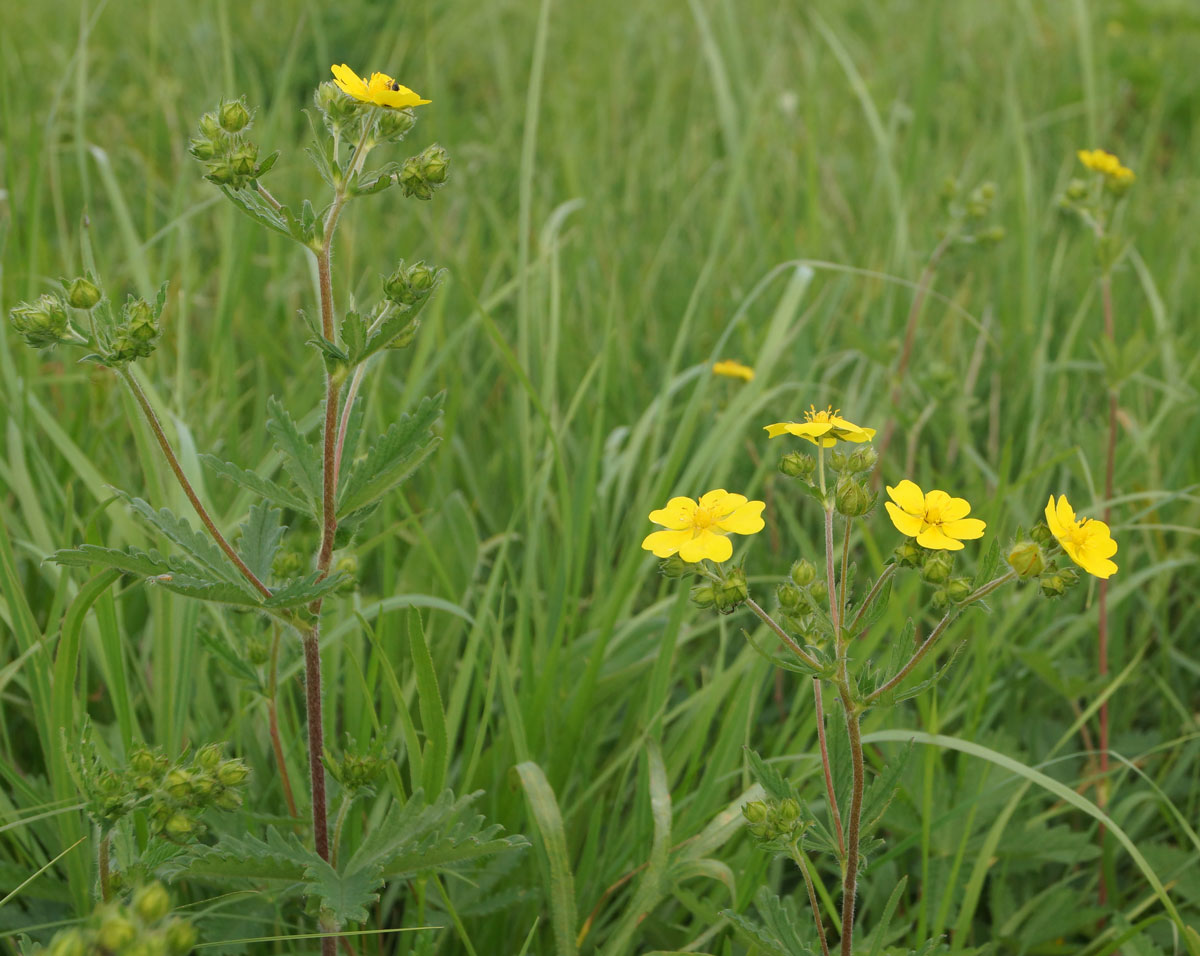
850, 880
102, 866
830, 795
800, 861
273, 723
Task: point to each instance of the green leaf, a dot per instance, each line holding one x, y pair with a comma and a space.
561, 884
345, 895
202, 589
987, 567
786, 663
198, 546
903, 648
252, 481
261, 533
882, 790
354, 334
874, 611
770, 779
778, 933
304, 590
436, 754
280, 860
394, 457
254, 206
889, 910
916, 689
300, 457
130, 561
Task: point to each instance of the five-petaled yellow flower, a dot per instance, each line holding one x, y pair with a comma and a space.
936, 520
822, 428
697, 531
380, 89
1098, 161
1087, 541
732, 368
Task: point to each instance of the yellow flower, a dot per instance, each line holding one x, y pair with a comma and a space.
733, 369
1099, 161
380, 89
697, 530
936, 520
1087, 541
822, 428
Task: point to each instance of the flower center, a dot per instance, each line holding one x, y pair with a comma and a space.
702, 519
812, 415
1077, 535
933, 515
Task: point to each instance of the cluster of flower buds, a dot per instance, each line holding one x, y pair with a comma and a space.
725, 595
423, 174
140, 926
1035, 558
775, 822
230, 158
360, 769
967, 210
797, 596
136, 334
796, 464
42, 323
937, 569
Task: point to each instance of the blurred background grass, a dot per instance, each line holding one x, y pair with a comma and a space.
636, 190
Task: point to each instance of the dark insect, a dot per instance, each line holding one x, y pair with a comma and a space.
394, 87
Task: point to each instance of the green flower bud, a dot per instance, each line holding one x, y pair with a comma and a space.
939, 600
142, 761
209, 756
70, 942
1026, 559
1042, 534
789, 813
82, 293
203, 787
1070, 576
731, 592
258, 652
863, 459
202, 149
288, 564
221, 173
839, 461
803, 573
853, 499
958, 588
1053, 585
755, 812
411, 285
796, 464
178, 784
233, 772
243, 161
703, 596
180, 936
151, 902
394, 124
228, 800
789, 597
909, 554
435, 164
233, 116
179, 826
937, 566
210, 126
41, 324
116, 931
412, 181
336, 106
675, 567
992, 235
138, 315
819, 591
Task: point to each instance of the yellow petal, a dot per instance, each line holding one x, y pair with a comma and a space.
906, 524
933, 538
711, 501
964, 528
349, 82
955, 508
1052, 519
935, 501
1099, 567
677, 515
1064, 513
908, 496
779, 428
666, 543
706, 545
728, 505
747, 519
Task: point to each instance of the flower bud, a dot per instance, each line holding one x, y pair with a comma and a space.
789, 597
803, 573
82, 293
116, 931
853, 498
1026, 559
141, 760
937, 566
838, 461
243, 161
335, 105
1070, 577
151, 902
138, 315
42, 323
202, 149
180, 826
232, 772
755, 812
908, 553
731, 592
992, 235
394, 124
210, 126
228, 800
70, 942
180, 936
703, 596
435, 164
1053, 584
412, 182
208, 756
408, 286
863, 459
233, 116
789, 813
1042, 534
939, 600
796, 464
675, 567
288, 564
958, 589
178, 783
819, 591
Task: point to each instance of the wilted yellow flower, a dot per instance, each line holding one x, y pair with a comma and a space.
697, 531
1087, 541
733, 369
380, 89
1099, 161
822, 428
936, 520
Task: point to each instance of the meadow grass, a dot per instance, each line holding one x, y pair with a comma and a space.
638, 189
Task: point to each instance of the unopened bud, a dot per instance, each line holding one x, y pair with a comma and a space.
209, 756
838, 460
180, 825
789, 597
82, 293
1070, 576
202, 149
232, 772
151, 903
958, 589
755, 812
410, 285
180, 936
803, 573
909, 554
853, 498
1077, 190
70, 942
937, 566
675, 567
210, 126
412, 181
233, 116
228, 800
863, 459
939, 600
42, 323
1026, 559
731, 592
819, 591
435, 164
992, 235
703, 596
178, 784
1053, 585
789, 812
1042, 534
394, 124
796, 464
116, 932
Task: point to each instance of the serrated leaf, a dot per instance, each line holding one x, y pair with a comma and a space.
903, 648
354, 334
345, 895
131, 561
926, 684
393, 458
786, 663
304, 590
300, 456
252, 481
987, 567
354, 426
778, 933
279, 859
261, 533
882, 790
198, 546
253, 205
770, 779
219, 592
872, 612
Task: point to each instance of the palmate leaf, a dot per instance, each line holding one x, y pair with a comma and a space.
252, 481
344, 895
280, 860
393, 458
300, 456
261, 533
304, 590
778, 933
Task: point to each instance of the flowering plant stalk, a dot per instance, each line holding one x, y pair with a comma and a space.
820, 617
328, 495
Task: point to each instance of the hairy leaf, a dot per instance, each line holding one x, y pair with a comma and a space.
261, 533
198, 546
393, 458
345, 895
304, 590
257, 208
300, 457
252, 481
778, 933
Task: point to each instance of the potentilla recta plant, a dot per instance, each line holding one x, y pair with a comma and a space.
821, 612
328, 490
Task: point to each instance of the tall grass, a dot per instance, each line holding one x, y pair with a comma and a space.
638, 189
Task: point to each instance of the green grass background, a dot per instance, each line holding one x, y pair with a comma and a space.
637, 189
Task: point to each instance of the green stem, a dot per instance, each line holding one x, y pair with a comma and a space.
884, 575
845, 570
802, 863
834, 814
850, 879
343, 812
783, 635
102, 866
273, 722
